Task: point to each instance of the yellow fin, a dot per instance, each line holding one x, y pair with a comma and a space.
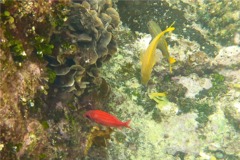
172, 24
235, 86
172, 60
160, 98
157, 94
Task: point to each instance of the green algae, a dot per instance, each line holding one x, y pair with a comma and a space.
51, 76
219, 87
222, 28
42, 46
203, 109
127, 70
42, 156
33, 33
45, 125
17, 51
12, 148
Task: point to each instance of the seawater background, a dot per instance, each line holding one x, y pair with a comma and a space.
200, 120
47, 42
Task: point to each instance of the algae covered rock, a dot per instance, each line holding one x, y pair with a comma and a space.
205, 124
49, 56
228, 56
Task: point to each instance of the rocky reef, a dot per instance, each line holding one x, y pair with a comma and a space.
197, 119
59, 59
51, 52
208, 21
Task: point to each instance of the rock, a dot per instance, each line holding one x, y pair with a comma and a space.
228, 56
194, 84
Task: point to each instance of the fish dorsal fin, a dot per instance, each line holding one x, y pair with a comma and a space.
172, 24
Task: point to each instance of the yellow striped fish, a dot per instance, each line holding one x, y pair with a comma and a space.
148, 59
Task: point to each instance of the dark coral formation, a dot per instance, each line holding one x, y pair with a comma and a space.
49, 58
86, 41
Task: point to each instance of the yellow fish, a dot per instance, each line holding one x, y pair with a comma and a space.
235, 85
148, 59
160, 98
157, 94
154, 30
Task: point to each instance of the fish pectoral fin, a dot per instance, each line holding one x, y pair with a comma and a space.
172, 24
171, 60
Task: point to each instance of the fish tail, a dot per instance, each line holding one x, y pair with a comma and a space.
126, 124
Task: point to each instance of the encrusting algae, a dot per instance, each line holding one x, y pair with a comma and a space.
148, 59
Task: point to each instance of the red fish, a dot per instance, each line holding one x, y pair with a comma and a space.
106, 119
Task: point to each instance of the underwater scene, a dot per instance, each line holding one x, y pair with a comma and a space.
119, 80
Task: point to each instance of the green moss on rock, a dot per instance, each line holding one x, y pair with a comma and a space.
203, 109
218, 88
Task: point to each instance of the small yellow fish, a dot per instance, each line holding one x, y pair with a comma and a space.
213, 158
160, 98
235, 86
157, 94
148, 59
154, 30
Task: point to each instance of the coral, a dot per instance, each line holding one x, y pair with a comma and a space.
98, 137
86, 41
